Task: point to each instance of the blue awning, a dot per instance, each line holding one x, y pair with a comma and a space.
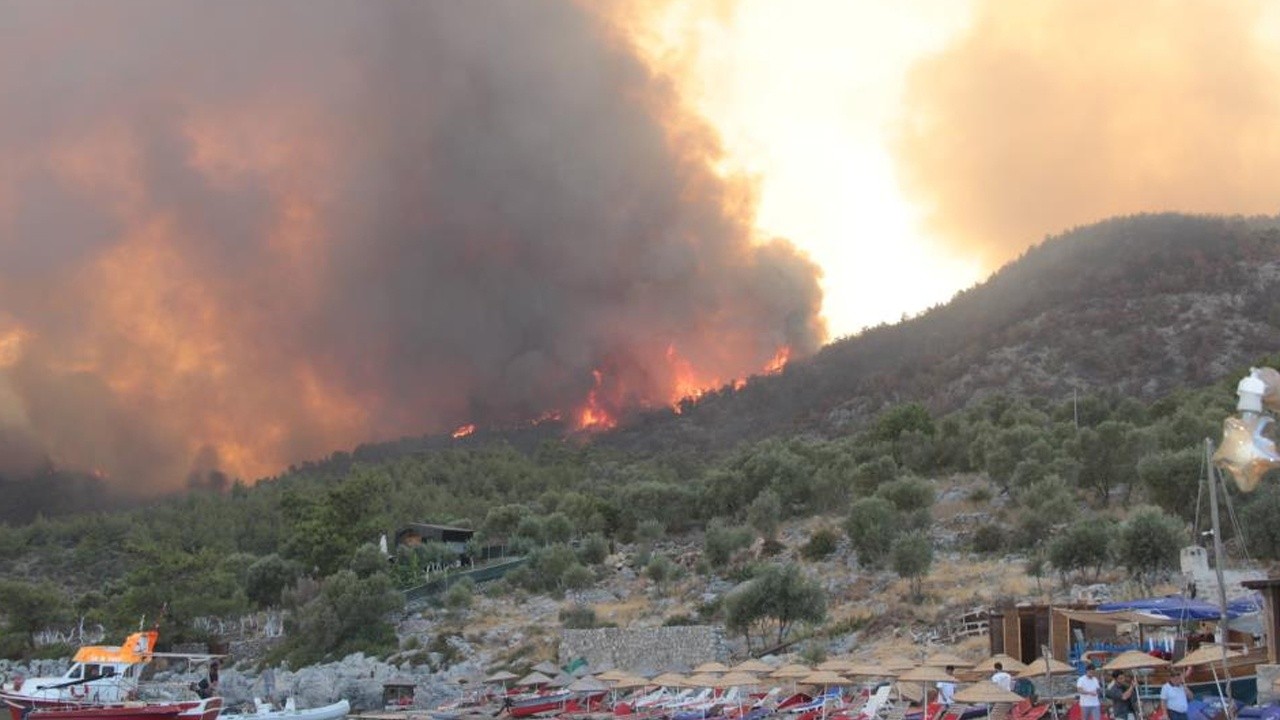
1175, 607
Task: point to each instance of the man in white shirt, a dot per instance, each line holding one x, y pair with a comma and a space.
1174, 697
947, 690
1002, 678
1089, 690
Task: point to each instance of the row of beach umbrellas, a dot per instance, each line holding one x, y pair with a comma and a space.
839, 672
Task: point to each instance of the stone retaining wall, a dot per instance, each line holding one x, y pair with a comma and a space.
647, 649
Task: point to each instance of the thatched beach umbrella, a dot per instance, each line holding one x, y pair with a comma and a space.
614, 674
825, 679
630, 682
1012, 665
711, 667
588, 684
792, 671
987, 692
1133, 660
909, 691
870, 671
944, 659
702, 680
1208, 655
897, 663
502, 677
1041, 667
669, 680
924, 675
836, 665
534, 679
753, 666
547, 668
563, 680
736, 679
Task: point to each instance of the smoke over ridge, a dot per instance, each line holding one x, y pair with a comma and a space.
1047, 115
236, 235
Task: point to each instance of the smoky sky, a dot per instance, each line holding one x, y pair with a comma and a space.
1047, 115
237, 235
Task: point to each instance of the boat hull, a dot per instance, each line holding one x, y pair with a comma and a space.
334, 711
207, 709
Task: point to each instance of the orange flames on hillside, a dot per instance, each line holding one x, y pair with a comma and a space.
593, 415
779, 361
464, 431
687, 385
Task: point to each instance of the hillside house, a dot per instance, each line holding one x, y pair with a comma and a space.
415, 534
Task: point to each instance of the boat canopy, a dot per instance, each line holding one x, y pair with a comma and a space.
137, 648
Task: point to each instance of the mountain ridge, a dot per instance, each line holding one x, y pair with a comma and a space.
1101, 307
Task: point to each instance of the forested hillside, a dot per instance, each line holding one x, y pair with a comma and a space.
1151, 320
1140, 306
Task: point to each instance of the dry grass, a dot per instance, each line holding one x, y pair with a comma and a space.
625, 612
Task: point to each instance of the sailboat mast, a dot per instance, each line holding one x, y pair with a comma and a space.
1214, 484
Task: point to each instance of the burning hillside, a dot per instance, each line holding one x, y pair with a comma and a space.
236, 236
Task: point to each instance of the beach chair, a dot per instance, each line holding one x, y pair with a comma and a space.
878, 702
825, 699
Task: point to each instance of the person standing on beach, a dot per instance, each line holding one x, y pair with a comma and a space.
947, 689
1123, 696
1002, 678
1089, 691
1174, 697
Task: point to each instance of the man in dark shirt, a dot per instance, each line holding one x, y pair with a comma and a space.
1123, 695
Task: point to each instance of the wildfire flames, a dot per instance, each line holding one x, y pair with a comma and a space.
779, 361
370, 220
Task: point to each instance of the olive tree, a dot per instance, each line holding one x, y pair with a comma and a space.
771, 604
1148, 542
872, 525
912, 555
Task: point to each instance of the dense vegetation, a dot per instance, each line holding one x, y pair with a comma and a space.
1100, 479
305, 541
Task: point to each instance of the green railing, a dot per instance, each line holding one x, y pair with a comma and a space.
478, 575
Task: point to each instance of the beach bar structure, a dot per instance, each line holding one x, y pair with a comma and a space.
1021, 630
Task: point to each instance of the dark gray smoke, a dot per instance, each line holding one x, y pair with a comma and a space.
236, 235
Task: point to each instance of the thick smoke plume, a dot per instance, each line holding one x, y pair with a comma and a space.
1046, 115
236, 235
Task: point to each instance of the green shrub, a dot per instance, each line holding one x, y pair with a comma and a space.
872, 526
723, 540
821, 544
577, 577
981, 495
660, 569
578, 617
988, 539
460, 595
594, 549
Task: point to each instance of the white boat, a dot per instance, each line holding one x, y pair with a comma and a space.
266, 711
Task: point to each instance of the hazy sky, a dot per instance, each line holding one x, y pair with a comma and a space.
912, 147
